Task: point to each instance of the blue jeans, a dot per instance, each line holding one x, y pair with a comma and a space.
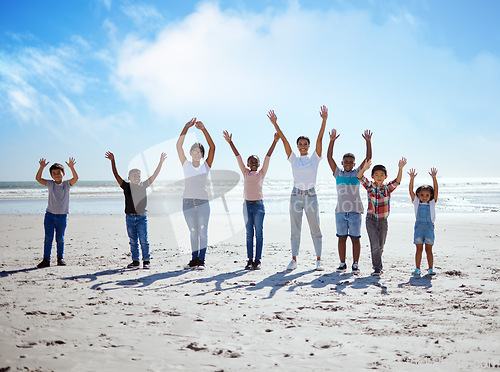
54, 222
137, 229
300, 201
196, 213
253, 213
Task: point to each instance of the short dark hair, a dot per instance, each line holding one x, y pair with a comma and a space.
133, 171
349, 155
253, 156
426, 188
198, 145
379, 167
304, 137
55, 166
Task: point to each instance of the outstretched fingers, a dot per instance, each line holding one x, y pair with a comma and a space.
227, 136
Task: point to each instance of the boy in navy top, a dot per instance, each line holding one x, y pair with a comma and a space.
135, 209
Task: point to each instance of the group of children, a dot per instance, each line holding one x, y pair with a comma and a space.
303, 199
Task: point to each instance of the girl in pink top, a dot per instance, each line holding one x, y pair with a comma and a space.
253, 207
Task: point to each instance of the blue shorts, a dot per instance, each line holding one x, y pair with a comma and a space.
348, 224
424, 233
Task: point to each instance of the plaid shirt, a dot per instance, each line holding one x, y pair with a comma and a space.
379, 198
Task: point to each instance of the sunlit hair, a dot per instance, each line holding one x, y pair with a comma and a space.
130, 172
426, 188
379, 167
349, 155
304, 137
55, 166
198, 145
253, 157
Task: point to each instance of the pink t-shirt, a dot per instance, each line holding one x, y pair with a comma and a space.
252, 186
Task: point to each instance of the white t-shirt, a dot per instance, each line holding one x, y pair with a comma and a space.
195, 180
304, 170
432, 207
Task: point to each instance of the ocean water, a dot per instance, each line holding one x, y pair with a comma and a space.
106, 197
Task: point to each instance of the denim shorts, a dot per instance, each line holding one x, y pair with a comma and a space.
348, 224
424, 233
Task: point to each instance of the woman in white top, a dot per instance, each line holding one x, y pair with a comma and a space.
303, 198
195, 198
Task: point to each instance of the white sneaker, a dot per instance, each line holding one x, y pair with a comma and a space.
319, 265
292, 265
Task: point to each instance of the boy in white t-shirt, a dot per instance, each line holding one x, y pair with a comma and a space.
425, 215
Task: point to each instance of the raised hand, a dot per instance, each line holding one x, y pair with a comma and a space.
71, 163
109, 155
323, 112
276, 137
402, 163
43, 163
163, 157
272, 116
412, 173
433, 172
190, 123
367, 135
334, 135
228, 137
199, 125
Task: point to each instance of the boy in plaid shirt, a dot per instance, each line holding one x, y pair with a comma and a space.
379, 197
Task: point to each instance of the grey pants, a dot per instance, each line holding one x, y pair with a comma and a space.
305, 201
377, 232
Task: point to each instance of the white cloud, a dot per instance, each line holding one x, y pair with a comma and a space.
141, 14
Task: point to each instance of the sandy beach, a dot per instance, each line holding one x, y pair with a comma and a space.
96, 315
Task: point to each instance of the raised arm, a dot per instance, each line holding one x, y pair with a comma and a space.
180, 141
367, 135
364, 168
38, 177
71, 164
329, 153
229, 138
401, 165
412, 173
211, 144
433, 174
319, 142
109, 155
273, 145
274, 119
151, 179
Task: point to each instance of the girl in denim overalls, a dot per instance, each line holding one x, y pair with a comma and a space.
425, 213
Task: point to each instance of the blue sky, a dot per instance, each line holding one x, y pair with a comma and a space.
78, 78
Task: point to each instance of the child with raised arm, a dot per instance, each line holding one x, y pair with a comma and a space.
349, 205
195, 205
304, 197
379, 197
135, 209
56, 215
253, 206
425, 214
